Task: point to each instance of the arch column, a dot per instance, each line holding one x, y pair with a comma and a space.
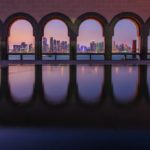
144, 44
4, 46
73, 45
38, 47
38, 86
108, 87
108, 43
5, 83
73, 87
143, 82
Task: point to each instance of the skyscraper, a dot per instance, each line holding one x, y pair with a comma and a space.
93, 46
45, 45
134, 46
58, 46
30, 47
51, 44
55, 46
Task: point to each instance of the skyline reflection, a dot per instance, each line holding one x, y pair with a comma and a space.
90, 83
21, 82
125, 83
55, 84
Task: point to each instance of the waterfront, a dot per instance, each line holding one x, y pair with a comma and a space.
79, 103
45, 94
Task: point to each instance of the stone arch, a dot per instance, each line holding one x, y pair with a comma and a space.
11, 19
90, 15
136, 19
52, 16
127, 15
7, 25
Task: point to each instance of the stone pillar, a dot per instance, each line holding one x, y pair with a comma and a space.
144, 45
38, 86
5, 83
4, 46
38, 47
73, 45
108, 43
108, 87
143, 87
72, 90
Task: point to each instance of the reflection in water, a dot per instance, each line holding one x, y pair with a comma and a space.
148, 78
125, 82
55, 81
21, 81
90, 82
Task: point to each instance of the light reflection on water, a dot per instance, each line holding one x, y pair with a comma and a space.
90, 82
21, 82
148, 78
125, 82
55, 81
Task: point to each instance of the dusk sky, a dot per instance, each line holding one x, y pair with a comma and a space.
57, 29
21, 31
125, 32
90, 30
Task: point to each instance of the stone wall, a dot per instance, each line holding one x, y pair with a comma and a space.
74, 8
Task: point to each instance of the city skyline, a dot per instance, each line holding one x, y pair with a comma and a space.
21, 31
90, 30
54, 45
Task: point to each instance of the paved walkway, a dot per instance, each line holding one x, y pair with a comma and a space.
111, 62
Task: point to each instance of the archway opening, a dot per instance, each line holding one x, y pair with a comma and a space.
90, 42
21, 41
126, 40
55, 42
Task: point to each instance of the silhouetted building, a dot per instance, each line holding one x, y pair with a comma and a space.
134, 48
51, 44
30, 47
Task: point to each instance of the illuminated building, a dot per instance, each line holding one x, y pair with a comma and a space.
51, 44
45, 45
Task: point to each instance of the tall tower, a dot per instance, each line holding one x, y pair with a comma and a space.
45, 45
134, 48
51, 44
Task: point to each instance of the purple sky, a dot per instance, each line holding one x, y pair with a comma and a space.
21, 30
125, 32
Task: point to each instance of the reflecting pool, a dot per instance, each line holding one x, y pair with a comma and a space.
75, 95
51, 104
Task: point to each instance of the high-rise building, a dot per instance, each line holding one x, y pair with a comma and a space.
62, 45
30, 47
58, 46
45, 45
55, 46
93, 46
16, 48
134, 46
51, 44
78, 48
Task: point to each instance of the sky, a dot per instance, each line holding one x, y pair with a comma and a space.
57, 29
90, 30
21, 31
